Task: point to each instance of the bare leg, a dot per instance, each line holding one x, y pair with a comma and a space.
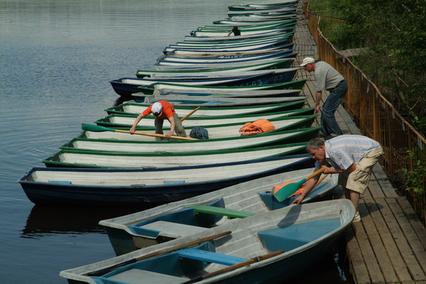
354, 197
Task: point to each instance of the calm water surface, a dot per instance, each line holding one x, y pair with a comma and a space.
56, 58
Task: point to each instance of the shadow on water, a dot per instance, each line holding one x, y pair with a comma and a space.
49, 220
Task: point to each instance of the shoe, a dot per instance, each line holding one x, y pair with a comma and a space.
357, 217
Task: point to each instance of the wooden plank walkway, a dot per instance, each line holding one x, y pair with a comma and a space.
389, 244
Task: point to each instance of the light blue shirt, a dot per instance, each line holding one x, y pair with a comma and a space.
345, 150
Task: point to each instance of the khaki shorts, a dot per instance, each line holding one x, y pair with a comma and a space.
358, 179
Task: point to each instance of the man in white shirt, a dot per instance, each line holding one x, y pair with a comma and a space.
327, 78
352, 155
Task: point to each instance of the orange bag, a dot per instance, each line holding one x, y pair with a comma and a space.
256, 127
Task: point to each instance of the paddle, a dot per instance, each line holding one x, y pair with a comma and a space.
235, 266
97, 128
189, 114
165, 250
291, 188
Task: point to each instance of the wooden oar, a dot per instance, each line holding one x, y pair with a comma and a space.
235, 266
97, 128
189, 114
291, 188
166, 250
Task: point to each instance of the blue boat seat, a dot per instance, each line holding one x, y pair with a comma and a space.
208, 256
172, 229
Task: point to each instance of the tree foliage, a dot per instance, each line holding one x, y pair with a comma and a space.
393, 35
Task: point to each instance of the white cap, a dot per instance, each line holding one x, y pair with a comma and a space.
306, 61
156, 108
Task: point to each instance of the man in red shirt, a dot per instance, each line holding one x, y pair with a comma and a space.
162, 110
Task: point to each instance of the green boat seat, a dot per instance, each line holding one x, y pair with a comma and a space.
213, 210
208, 256
173, 230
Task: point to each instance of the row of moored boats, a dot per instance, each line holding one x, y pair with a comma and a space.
215, 219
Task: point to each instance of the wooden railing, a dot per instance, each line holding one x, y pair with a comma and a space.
374, 114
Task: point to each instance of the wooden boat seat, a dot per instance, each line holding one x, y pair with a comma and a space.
209, 256
213, 210
134, 276
173, 230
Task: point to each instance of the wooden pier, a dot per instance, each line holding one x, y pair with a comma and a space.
389, 244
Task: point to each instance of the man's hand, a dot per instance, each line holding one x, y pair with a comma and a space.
329, 170
132, 130
317, 108
299, 199
169, 133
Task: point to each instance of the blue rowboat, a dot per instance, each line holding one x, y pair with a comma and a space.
263, 248
128, 86
141, 187
126, 233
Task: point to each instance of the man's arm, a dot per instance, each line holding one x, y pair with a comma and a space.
318, 96
309, 185
172, 126
135, 123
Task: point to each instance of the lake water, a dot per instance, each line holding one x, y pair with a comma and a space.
56, 58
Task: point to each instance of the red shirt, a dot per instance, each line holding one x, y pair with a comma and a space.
167, 111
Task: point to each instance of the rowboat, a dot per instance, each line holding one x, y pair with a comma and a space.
280, 63
237, 41
104, 159
206, 111
139, 187
229, 22
235, 48
286, 53
262, 6
214, 131
126, 233
127, 86
296, 84
263, 248
166, 93
276, 34
262, 18
196, 101
260, 140
170, 64
231, 124
224, 27
217, 33
273, 11
287, 72
209, 43
203, 53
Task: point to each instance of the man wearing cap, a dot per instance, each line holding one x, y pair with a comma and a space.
351, 155
327, 78
161, 110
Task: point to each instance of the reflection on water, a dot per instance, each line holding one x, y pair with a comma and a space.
44, 221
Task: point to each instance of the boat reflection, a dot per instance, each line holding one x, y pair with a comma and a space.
48, 220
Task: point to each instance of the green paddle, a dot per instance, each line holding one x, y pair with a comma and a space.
292, 187
98, 128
